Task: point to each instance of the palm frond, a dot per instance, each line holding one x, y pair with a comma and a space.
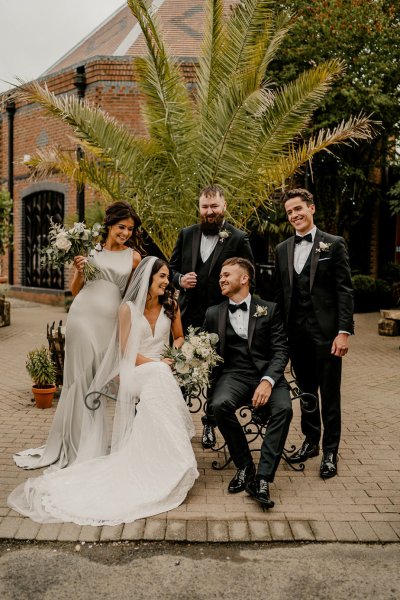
95, 129
53, 160
213, 46
167, 108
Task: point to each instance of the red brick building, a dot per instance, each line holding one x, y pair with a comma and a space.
99, 69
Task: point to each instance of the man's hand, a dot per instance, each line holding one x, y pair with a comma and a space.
262, 393
188, 281
340, 345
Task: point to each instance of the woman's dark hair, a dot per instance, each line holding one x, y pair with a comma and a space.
168, 299
119, 211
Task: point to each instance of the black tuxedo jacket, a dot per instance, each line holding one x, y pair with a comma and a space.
186, 253
331, 289
266, 337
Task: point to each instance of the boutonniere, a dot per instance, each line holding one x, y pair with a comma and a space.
323, 247
223, 235
261, 311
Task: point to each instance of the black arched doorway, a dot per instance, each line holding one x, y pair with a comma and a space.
39, 207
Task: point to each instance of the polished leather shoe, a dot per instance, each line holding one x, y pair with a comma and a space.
259, 490
208, 439
308, 450
329, 464
242, 478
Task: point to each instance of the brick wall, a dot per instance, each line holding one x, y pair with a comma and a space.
111, 86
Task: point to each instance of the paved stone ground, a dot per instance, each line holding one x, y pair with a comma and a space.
362, 504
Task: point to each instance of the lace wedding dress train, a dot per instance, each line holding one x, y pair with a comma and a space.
150, 473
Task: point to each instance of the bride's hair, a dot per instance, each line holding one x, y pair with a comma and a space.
119, 211
168, 299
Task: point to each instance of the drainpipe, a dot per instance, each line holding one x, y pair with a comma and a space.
80, 84
10, 109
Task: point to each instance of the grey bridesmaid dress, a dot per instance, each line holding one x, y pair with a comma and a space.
90, 324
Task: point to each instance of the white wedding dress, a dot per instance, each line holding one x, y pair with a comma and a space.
91, 321
152, 470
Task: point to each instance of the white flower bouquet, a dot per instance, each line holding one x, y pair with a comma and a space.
65, 244
193, 361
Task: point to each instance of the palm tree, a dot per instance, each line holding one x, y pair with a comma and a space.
239, 131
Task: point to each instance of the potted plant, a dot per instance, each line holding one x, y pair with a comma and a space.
42, 370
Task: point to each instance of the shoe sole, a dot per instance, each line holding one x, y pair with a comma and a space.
328, 475
236, 491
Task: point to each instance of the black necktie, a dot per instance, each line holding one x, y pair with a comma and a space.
234, 307
299, 238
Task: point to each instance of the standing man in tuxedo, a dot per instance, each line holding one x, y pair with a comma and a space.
314, 291
252, 342
196, 264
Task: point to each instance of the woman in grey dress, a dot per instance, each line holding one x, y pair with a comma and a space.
91, 321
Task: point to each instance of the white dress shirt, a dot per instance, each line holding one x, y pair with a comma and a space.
207, 245
302, 251
240, 323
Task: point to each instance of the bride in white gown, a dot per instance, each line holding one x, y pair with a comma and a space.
152, 465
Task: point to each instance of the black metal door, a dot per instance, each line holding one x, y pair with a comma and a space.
39, 208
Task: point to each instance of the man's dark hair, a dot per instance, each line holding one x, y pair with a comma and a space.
244, 264
305, 195
212, 190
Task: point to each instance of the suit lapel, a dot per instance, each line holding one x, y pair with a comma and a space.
252, 323
290, 257
195, 247
219, 247
314, 257
222, 318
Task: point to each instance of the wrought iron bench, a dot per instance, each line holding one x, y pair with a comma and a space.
253, 422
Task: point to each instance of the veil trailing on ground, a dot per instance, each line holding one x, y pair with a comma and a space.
113, 370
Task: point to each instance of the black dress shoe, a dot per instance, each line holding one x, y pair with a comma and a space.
208, 439
242, 478
307, 450
329, 464
259, 490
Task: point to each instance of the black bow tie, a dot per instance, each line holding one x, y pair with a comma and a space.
234, 307
299, 238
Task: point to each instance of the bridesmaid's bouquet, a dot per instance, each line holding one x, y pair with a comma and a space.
193, 361
65, 244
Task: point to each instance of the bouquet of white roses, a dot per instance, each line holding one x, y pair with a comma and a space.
65, 244
193, 361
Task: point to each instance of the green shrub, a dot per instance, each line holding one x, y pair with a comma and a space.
41, 367
371, 294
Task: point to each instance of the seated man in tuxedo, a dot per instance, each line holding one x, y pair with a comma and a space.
253, 345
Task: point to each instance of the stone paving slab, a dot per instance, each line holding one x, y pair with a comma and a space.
362, 504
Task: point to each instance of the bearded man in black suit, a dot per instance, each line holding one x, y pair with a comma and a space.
314, 291
196, 263
252, 343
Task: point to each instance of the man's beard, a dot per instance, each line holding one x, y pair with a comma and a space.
212, 228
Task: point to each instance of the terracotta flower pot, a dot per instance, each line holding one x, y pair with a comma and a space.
44, 395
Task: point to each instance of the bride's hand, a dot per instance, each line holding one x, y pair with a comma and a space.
167, 361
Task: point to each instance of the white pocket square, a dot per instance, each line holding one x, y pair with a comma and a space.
327, 258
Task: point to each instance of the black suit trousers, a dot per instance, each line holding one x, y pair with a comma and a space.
315, 368
234, 390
